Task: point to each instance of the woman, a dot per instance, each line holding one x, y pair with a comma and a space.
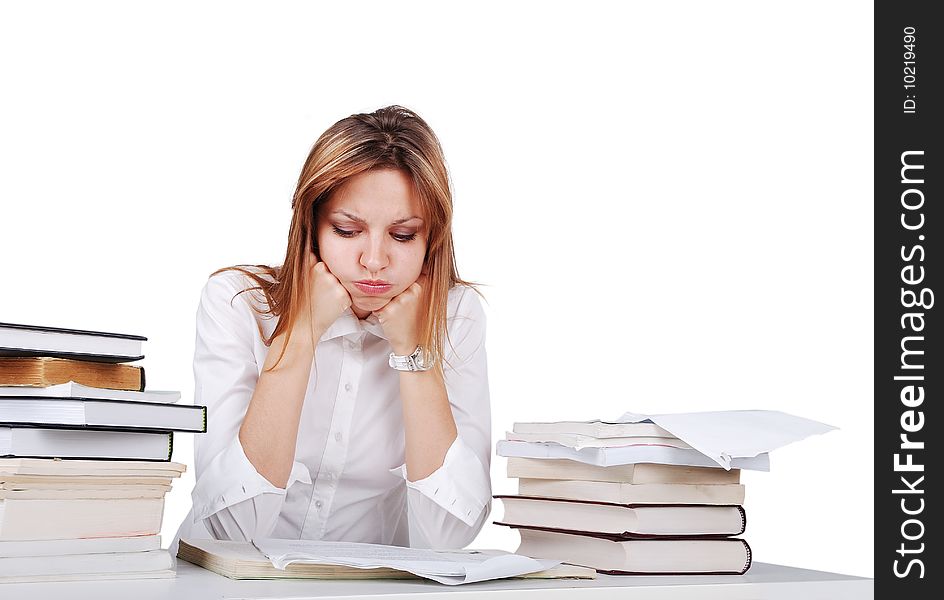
347, 390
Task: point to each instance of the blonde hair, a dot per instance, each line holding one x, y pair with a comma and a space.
389, 138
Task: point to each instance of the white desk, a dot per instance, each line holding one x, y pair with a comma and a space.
762, 581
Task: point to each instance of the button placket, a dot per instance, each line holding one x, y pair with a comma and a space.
335, 453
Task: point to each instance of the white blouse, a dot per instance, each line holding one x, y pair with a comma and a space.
348, 481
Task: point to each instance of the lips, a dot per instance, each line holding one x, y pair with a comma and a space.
373, 287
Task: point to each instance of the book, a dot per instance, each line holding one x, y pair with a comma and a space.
594, 429
78, 482
70, 517
623, 520
88, 566
550, 468
89, 468
642, 557
117, 414
572, 440
36, 442
103, 493
71, 389
53, 548
633, 493
242, 560
99, 346
45, 371
605, 457
163, 574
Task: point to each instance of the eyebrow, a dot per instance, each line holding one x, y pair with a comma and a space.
360, 220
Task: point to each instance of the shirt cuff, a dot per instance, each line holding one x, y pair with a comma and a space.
231, 478
460, 486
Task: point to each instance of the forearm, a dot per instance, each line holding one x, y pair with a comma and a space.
430, 428
270, 428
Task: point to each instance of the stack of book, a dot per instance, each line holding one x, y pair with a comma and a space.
85, 456
624, 498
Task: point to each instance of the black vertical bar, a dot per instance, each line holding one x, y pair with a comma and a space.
908, 367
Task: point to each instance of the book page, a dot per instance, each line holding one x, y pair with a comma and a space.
451, 567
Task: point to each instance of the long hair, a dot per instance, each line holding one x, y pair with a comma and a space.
392, 137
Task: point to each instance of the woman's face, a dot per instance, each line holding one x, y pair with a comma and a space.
372, 237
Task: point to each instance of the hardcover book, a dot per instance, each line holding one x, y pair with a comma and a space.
45, 371
89, 444
616, 556
623, 520
78, 344
101, 414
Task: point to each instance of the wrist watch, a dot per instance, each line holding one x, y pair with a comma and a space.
417, 361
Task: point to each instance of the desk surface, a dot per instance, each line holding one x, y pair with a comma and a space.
762, 581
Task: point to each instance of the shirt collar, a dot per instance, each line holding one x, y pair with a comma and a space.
348, 324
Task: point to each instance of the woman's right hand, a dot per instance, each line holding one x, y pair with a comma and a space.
326, 296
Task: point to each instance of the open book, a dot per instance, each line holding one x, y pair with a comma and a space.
242, 560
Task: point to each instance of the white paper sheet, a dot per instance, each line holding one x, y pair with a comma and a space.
726, 435
624, 455
451, 567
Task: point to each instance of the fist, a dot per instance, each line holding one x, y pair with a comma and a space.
401, 317
327, 298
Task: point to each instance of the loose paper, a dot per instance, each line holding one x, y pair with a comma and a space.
732, 434
624, 455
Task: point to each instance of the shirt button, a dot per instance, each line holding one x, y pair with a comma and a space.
338, 436
347, 387
317, 503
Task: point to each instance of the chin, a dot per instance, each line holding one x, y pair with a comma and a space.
371, 304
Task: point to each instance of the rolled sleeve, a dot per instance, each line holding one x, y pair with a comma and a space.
234, 499
457, 485
448, 508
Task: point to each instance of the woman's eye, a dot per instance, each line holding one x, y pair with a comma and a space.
400, 237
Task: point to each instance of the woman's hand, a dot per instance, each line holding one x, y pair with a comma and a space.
326, 299
400, 318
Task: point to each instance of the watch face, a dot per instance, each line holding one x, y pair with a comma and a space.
428, 361
419, 357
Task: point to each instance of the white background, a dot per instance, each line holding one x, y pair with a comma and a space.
675, 197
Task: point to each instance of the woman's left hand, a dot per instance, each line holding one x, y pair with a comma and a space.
400, 318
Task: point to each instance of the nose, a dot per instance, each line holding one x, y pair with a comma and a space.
375, 257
